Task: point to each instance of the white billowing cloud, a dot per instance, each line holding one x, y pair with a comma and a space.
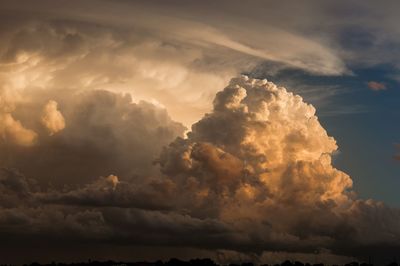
52, 118
12, 131
261, 162
113, 179
264, 131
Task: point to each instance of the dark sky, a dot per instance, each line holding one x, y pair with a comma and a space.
138, 130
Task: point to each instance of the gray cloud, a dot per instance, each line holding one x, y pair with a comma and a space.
14, 188
110, 192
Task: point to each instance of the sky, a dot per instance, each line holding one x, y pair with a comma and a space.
257, 130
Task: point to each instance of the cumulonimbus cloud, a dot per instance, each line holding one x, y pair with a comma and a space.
261, 162
254, 175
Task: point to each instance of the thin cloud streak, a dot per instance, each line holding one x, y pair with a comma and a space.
376, 86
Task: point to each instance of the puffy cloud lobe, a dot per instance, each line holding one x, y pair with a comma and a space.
113, 179
52, 118
13, 131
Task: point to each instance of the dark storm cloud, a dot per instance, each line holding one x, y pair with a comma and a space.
109, 192
93, 215
14, 188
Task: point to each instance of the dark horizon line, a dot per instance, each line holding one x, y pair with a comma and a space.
192, 262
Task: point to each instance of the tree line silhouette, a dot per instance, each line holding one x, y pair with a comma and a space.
192, 262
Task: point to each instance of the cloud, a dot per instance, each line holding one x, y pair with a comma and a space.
106, 133
113, 179
185, 25
254, 176
12, 131
261, 162
376, 86
272, 149
163, 61
48, 48
60, 52
52, 118
151, 194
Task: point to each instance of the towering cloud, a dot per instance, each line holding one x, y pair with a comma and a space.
261, 162
94, 106
260, 140
252, 176
52, 118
